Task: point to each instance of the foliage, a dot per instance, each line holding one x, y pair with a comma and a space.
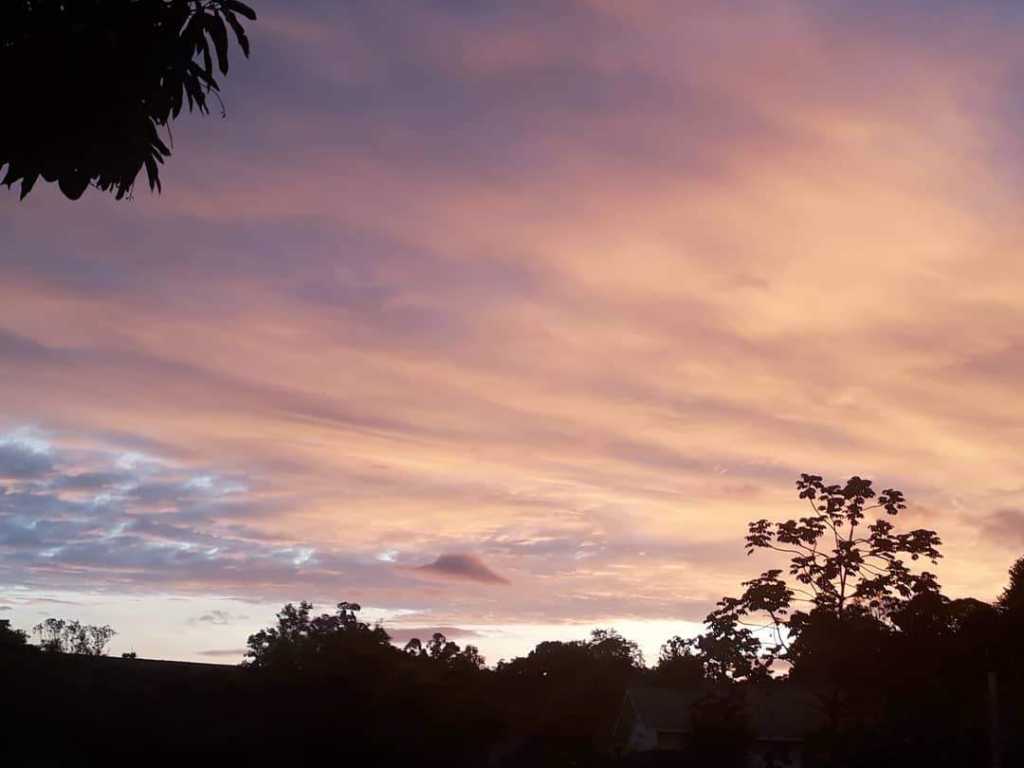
11, 639
605, 650
607, 645
841, 567
903, 686
729, 651
96, 79
678, 665
1011, 601
566, 695
301, 641
339, 680
71, 636
441, 650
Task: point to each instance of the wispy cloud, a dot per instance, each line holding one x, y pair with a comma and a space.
218, 617
578, 293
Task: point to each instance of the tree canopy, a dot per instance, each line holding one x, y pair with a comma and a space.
1011, 601
90, 84
301, 641
844, 569
72, 636
439, 649
11, 638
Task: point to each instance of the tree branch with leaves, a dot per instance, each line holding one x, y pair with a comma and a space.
90, 84
73, 637
846, 560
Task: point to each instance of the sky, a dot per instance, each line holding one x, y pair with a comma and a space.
505, 318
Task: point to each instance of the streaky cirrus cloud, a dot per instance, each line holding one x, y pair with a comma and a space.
579, 293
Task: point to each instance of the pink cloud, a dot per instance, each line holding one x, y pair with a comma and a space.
578, 294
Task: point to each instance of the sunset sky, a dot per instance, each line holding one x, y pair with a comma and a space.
506, 317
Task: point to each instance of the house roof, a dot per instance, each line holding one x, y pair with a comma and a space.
774, 710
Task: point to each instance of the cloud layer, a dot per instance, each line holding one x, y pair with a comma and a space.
577, 292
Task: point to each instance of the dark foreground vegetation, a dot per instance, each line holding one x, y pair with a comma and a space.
899, 675
93, 86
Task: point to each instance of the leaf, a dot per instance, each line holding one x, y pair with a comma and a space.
177, 96
219, 34
162, 150
241, 8
243, 40
10, 177
152, 173
207, 61
27, 183
73, 185
194, 31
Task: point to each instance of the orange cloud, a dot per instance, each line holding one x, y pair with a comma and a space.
580, 294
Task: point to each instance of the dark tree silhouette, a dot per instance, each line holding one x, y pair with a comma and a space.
11, 639
1006, 649
842, 568
71, 636
1011, 601
340, 687
88, 84
905, 682
678, 664
566, 694
729, 651
608, 646
303, 642
443, 651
